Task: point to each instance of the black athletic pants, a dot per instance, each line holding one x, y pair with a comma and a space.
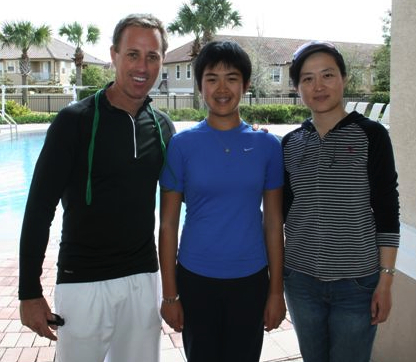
223, 317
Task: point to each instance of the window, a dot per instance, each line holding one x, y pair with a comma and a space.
178, 71
66, 67
1, 68
46, 67
164, 73
188, 71
10, 67
276, 74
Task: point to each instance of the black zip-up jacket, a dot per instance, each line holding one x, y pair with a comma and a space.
114, 236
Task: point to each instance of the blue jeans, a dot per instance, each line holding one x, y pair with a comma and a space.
332, 319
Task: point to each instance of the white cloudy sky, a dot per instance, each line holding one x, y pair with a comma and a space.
336, 20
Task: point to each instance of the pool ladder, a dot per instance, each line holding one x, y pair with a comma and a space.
10, 121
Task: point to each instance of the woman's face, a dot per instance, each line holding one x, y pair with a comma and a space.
222, 87
321, 85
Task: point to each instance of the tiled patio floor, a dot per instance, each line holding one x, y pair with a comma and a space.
19, 344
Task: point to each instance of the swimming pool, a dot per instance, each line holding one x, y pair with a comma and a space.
18, 158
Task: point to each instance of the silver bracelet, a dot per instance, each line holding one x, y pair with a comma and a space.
390, 271
170, 300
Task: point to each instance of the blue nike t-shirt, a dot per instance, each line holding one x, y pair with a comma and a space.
223, 175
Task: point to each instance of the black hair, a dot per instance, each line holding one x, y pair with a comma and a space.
227, 52
307, 49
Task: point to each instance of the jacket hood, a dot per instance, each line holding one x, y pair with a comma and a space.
352, 117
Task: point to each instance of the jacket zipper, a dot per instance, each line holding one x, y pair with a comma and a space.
134, 135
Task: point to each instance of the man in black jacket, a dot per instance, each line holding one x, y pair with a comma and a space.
102, 158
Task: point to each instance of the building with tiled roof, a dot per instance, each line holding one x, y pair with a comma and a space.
50, 64
177, 74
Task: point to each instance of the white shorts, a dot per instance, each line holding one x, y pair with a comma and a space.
116, 320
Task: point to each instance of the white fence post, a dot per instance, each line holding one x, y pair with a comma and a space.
74, 92
3, 99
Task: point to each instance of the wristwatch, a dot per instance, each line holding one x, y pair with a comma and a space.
390, 271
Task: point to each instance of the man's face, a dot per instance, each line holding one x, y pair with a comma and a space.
137, 60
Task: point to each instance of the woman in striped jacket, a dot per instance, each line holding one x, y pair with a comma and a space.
341, 216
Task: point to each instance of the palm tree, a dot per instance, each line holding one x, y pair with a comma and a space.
74, 33
203, 18
22, 35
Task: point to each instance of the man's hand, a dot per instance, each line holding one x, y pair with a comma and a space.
256, 127
35, 313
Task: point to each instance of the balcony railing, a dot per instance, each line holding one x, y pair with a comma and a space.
41, 76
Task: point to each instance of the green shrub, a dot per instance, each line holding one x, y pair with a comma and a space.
380, 97
262, 114
274, 113
14, 109
185, 114
35, 118
84, 93
298, 114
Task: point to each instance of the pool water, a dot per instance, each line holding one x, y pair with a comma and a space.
18, 155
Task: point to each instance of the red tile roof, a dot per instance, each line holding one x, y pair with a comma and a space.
276, 50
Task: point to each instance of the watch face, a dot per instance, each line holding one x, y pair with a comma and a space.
390, 271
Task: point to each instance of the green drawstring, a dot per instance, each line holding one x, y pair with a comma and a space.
92, 146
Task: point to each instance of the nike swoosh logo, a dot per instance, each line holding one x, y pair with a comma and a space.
248, 149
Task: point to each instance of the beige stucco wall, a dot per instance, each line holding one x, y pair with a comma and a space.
403, 105
182, 85
396, 339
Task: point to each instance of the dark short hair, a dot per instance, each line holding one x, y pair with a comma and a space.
307, 49
227, 52
147, 21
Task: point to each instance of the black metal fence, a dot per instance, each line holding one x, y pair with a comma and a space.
186, 101
43, 102
55, 102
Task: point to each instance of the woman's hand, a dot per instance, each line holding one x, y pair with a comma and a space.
275, 312
172, 314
